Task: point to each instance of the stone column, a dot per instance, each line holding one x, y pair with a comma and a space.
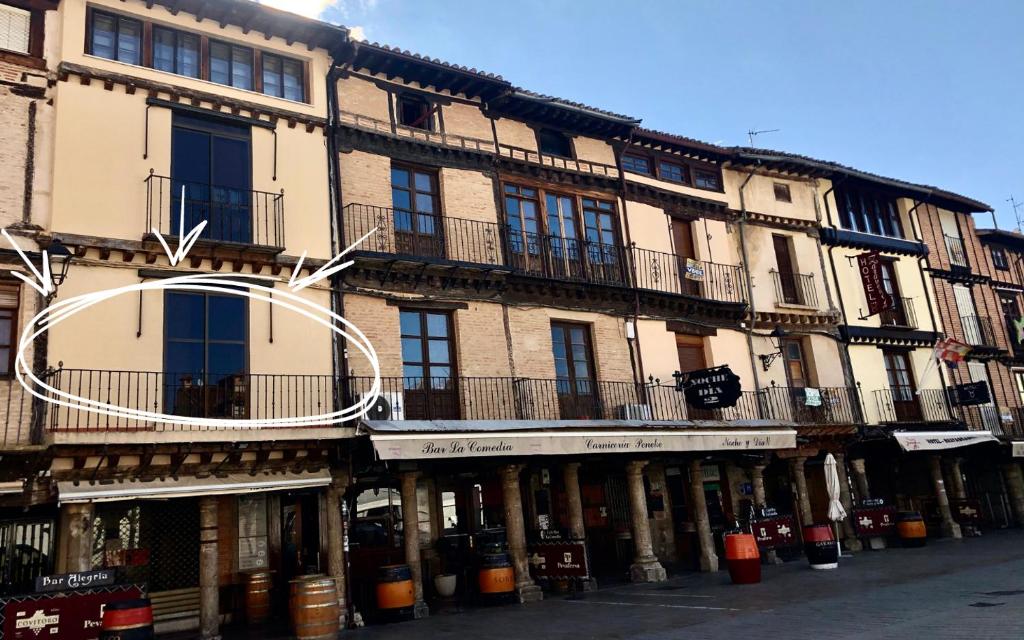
796, 472
950, 528
336, 542
515, 529
1015, 487
853, 543
646, 567
860, 478
209, 587
76, 522
573, 500
957, 490
411, 538
708, 557
757, 484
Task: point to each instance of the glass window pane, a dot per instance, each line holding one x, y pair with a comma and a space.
437, 325
440, 372
412, 371
227, 318
5, 331
410, 321
103, 36
220, 63
439, 352
188, 55
424, 182
129, 41
163, 50
183, 359
400, 199
272, 75
225, 359
399, 177
185, 315
424, 202
293, 86
241, 68
5, 361
412, 350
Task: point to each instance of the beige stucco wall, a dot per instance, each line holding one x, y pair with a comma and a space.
649, 227
759, 195
594, 150
908, 275
762, 260
869, 370
467, 120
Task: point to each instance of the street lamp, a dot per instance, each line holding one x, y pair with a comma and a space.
777, 335
60, 261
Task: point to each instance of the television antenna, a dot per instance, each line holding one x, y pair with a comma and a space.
751, 133
1016, 210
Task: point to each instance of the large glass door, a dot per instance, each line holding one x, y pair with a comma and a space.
522, 212
563, 240
603, 256
574, 371
418, 227
428, 366
901, 385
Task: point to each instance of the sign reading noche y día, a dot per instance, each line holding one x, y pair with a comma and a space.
408, 446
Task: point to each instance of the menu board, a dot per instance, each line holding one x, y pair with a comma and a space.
252, 533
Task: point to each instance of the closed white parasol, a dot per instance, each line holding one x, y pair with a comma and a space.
836, 512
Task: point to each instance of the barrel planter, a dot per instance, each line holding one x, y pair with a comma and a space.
315, 609
496, 577
911, 529
293, 589
743, 558
394, 587
257, 597
127, 620
820, 547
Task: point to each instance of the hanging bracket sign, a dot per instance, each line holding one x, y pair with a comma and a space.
971, 393
715, 388
870, 266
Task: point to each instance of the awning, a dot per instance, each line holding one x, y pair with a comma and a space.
437, 444
938, 440
235, 483
1018, 449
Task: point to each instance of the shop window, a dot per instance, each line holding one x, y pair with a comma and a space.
231, 65
636, 164
9, 298
176, 52
554, 143
15, 29
116, 38
782, 193
415, 112
283, 77
673, 172
999, 259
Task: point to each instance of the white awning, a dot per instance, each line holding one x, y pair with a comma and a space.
1018, 449
235, 483
12, 487
438, 445
938, 440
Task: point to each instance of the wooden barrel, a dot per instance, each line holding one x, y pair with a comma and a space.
127, 620
911, 528
496, 575
394, 587
257, 597
293, 588
315, 609
743, 558
820, 547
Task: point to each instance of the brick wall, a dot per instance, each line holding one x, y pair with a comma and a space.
13, 150
531, 342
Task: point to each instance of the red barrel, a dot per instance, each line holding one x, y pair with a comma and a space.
743, 558
127, 620
820, 547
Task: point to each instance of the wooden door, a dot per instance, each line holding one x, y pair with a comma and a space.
897, 315
690, 350
574, 370
682, 242
902, 387
603, 254
428, 365
788, 292
565, 258
418, 226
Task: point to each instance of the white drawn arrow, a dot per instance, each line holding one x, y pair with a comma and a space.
45, 285
325, 271
185, 241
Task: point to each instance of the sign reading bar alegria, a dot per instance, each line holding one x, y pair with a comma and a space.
870, 266
77, 580
716, 388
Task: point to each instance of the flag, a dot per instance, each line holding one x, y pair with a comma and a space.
1018, 324
951, 350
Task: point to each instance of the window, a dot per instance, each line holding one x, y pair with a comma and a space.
636, 164
415, 112
176, 52
15, 27
901, 387
8, 327
282, 77
868, 212
428, 364
1011, 314
999, 259
116, 38
672, 172
231, 65
788, 291
782, 192
796, 367
1018, 377
706, 180
522, 213
414, 196
554, 143
690, 350
574, 371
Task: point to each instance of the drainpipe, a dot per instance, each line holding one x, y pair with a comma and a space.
639, 375
750, 290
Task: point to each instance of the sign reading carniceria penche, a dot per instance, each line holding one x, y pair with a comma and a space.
715, 388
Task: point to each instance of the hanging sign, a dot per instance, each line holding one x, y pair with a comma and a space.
77, 580
873, 521
970, 394
72, 615
774, 532
870, 267
558, 560
716, 388
694, 270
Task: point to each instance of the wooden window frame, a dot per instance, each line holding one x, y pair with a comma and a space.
782, 192
90, 24
231, 64
687, 172
1003, 262
644, 158
542, 212
149, 49
15, 313
539, 131
430, 110
263, 55
451, 338
690, 167
36, 36
873, 210
588, 334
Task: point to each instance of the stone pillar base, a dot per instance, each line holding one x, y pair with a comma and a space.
708, 562
951, 530
420, 610
876, 543
648, 571
590, 584
853, 544
528, 593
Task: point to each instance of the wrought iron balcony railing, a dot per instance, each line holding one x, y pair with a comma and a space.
233, 216
1015, 429
189, 395
795, 289
659, 271
905, 405
821, 406
956, 250
978, 331
901, 316
980, 418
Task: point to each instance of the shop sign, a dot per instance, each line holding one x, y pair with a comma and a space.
694, 270
558, 560
774, 532
875, 521
966, 511
870, 267
873, 502
77, 580
938, 440
715, 388
970, 394
74, 615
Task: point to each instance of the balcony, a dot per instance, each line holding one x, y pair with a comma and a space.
957, 251
558, 162
1015, 429
503, 398
904, 405
232, 397
234, 217
901, 315
795, 289
669, 273
981, 418
978, 331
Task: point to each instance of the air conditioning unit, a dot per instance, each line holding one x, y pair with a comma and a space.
635, 412
388, 406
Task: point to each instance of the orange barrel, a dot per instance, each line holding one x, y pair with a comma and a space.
910, 526
496, 575
820, 547
127, 620
743, 558
257, 596
394, 587
315, 609
293, 588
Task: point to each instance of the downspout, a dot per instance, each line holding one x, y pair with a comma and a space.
637, 359
750, 290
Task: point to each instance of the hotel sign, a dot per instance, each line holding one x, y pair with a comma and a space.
870, 267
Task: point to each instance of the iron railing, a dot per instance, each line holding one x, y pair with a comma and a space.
902, 314
16, 404
980, 418
823, 406
978, 331
667, 272
1015, 429
232, 215
795, 288
956, 250
905, 405
233, 396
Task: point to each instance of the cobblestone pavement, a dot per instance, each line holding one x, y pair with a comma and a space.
949, 589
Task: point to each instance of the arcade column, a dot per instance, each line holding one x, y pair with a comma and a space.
950, 528
336, 541
1015, 487
646, 567
796, 471
573, 500
76, 546
708, 557
411, 539
209, 587
852, 542
515, 529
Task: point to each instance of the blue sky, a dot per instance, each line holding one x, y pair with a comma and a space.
926, 91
